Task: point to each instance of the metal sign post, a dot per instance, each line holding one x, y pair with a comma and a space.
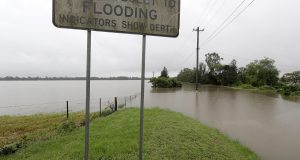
87, 109
142, 98
143, 17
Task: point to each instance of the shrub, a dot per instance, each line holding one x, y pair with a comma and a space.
8, 149
107, 112
290, 89
246, 86
163, 82
267, 87
65, 127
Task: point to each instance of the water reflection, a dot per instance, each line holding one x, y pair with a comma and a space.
164, 90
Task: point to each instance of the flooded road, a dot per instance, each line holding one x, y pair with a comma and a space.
264, 122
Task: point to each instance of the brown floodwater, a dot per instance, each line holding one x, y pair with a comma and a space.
265, 122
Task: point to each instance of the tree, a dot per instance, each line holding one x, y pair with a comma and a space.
164, 73
228, 75
291, 78
186, 75
163, 82
262, 72
241, 75
213, 61
202, 72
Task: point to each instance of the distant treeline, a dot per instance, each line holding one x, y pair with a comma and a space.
10, 78
257, 74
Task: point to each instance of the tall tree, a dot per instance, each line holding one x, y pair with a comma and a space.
262, 72
202, 73
213, 61
292, 78
187, 75
229, 74
164, 73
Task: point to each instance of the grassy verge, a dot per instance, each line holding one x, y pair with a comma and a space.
251, 88
167, 135
17, 130
284, 90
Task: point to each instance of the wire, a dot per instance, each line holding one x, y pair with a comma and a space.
214, 15
211, 38
206, 10
224, 22
184, 61
186, 41
48, 103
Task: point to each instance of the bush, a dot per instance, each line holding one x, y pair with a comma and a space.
297, 93
246, 86
8, 149
107, 111
266, 87
65, 127
290, 89
163, 82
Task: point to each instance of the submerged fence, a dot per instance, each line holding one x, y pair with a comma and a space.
104, 106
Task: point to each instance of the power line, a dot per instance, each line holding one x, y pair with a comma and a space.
206, 9
214, 15
224, 22
184, 61
187, 42
207, 12
211, 38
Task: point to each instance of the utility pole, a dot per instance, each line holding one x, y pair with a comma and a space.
197, 61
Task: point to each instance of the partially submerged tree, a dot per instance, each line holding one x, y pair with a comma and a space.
164, 73
228, 75
163, 81
213, 61
186, 75
262, 72
291, 78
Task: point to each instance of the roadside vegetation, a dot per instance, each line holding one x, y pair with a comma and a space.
164, 81
258, 75
18, 131
167, 135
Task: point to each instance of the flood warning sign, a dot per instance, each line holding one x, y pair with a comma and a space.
147, 17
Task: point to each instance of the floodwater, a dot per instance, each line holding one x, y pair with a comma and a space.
265, 122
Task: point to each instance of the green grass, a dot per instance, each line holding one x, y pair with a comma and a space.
269, 89
263, 89
15, 129
167, 135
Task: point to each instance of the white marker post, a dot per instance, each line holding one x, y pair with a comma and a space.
147, 17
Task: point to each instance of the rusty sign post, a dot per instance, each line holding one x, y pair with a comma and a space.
143, 17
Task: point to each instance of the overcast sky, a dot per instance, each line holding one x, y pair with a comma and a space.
32, 46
